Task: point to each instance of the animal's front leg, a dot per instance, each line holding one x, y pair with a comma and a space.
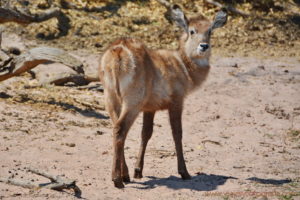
175, 112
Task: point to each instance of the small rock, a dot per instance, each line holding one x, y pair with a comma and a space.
261, 67
235, 65
98, 45
15, 51
99, 133
263, 198
238, 167
70, 144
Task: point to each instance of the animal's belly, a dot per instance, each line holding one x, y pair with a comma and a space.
154, 106
159, 99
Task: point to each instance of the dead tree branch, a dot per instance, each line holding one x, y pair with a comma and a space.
164, 3
229, 8
168, 6
77, 79
11, 15
30, 59
24, 17
14, 66
57, 182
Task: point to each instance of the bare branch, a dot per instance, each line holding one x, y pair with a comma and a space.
24, 184
44, 174
11, 15
229, 8
78, 79
164, 3
55, 12
57, 182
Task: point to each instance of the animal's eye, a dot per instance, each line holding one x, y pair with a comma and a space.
192, 32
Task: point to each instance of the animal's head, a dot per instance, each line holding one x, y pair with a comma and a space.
198, 30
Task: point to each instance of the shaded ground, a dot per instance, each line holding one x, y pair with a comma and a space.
241, 129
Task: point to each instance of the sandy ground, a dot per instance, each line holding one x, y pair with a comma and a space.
241, 138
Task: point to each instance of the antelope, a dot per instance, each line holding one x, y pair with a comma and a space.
137, 79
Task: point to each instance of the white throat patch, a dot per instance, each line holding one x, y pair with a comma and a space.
201, 62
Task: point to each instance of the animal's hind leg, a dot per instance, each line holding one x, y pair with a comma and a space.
113, 106
124, 170
121, 128
146, 135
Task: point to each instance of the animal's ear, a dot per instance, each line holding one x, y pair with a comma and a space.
220, 19
179, 17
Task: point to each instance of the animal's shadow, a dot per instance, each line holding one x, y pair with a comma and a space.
201, 182
84, 112
87, 112
269, 181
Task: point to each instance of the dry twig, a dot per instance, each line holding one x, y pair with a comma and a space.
57, 182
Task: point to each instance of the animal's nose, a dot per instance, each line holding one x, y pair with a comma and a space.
204, 47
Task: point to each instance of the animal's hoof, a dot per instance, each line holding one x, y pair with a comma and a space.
118, 183
138, 173
185, 176
126, 179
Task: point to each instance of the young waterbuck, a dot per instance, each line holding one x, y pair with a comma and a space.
137, 79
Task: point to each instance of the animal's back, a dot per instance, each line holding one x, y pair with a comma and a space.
126, 70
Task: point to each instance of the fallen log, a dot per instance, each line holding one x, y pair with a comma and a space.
11, 66
30, 59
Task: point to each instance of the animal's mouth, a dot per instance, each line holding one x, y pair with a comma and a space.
202, 47
202, 52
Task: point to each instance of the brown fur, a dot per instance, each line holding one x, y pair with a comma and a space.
137, 79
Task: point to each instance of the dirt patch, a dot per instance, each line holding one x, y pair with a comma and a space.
234, 147
241, 129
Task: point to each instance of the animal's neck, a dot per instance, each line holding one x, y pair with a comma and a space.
201, 62
197, 68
